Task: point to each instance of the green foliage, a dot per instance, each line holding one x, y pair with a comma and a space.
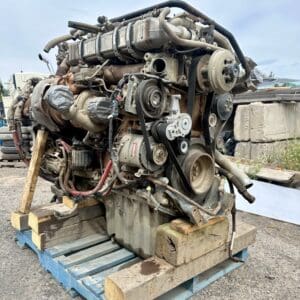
287, 158
3, 90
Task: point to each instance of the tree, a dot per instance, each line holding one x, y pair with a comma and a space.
3, 90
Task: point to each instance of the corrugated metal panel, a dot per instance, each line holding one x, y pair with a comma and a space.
133, 222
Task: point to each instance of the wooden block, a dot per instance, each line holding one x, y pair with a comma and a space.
51, 238
43, 218
83, 203
33, 171
154, 276
185, 227
180, 242
19, 220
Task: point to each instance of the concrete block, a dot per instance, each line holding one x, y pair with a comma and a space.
242, 150
241, 123
292, 116
262, 151
268, 122
297, 124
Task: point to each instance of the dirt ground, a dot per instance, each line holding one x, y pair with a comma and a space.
271, 272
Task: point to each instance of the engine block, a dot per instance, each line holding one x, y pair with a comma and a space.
134, 112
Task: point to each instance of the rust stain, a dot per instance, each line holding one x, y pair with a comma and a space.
149, 267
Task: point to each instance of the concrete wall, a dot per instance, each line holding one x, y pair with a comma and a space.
259, 128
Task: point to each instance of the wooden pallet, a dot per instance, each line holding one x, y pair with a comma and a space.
82, 265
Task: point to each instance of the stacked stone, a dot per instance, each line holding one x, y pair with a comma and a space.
262, 129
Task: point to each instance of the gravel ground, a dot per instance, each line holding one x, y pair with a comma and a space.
271, 272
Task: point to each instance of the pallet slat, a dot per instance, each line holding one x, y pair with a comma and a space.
96, 282
88, 254
69, 247
100, 264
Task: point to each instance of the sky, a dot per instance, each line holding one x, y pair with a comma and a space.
268, 31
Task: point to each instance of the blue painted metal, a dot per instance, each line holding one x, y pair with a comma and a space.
59, 272
201, 281
3, 123
77, 245
86, 277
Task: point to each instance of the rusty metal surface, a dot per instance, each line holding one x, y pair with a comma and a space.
133, 223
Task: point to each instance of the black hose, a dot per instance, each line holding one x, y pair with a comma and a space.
233, 232
141, 117
236, 182
161, 132
190, 9
192, 85
84, 27
233, 229
110, 134
205, 123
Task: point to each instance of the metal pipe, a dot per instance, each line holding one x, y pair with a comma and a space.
226, 164
190, 9
179, 41
84, 26
222, 40
54, 42
236, 182
184, 197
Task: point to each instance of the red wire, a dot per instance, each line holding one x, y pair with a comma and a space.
101, 182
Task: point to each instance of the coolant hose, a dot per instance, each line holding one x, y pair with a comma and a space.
236, 182
179, 41
51, 44
100, 184
226, 164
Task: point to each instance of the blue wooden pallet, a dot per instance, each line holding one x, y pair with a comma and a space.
81, 266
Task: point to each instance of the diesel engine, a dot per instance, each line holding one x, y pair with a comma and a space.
134, 113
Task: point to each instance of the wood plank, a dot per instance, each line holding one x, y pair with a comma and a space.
19, 220
88, 254
69, 247
267, 173
154, 276
44, 219
101, 263
180, 242
83, 203
50, 238
33, 171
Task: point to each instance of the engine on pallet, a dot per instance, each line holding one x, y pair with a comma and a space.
133, 115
